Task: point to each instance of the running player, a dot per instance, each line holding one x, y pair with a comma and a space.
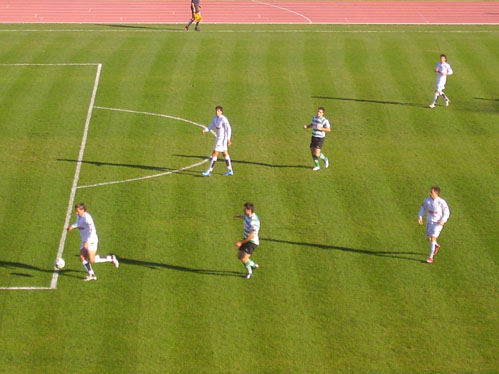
196, 15
443, 69
223, 134
89, 241
320, 126
250, 239
437, 215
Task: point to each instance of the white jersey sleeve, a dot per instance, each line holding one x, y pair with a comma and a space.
228, 128
212, 124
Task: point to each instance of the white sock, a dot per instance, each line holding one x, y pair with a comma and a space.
99, 259
247, 265
212, 164
432, 249
88, 267
227, 161
435, 98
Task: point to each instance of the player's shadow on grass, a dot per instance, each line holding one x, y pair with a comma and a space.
19, 265
398, 255
369, 101
250, 162
483, 98
133, 166
156, 265
100, 163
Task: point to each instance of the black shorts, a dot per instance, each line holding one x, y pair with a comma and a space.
248, 247
317, 142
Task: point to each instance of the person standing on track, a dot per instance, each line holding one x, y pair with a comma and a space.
195, 15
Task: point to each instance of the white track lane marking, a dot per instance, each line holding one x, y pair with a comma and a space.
153, 175
285, 9
284, 31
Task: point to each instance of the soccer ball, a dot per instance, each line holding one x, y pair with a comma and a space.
59, 263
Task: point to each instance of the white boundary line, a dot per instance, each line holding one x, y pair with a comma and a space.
55, 275
153, 175
26, 288
56, 64
285, 9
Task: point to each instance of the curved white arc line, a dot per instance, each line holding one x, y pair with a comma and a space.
154, 175
149, 114
286, 9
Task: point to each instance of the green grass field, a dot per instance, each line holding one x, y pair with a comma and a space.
342, 285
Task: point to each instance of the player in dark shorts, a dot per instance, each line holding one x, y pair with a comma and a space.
250, 241
320, 126
196, 15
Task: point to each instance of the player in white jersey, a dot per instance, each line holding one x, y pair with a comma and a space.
89, 242
443, 70
437, 213
222, 143
320, 126
250, 240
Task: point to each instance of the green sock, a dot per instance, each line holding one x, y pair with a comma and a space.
323, 157
316, 160
247, 265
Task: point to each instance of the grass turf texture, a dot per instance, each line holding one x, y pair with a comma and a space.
342, 286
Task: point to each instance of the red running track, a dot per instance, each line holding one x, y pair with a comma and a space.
248, 12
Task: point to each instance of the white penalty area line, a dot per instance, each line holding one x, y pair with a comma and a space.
55, 64
26, 288
153, 175
285, 9
55, 275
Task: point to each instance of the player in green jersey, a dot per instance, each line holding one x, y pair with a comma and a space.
320, 126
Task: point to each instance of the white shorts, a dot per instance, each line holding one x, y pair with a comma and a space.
221, 146
433, 229
440, 85
92, 246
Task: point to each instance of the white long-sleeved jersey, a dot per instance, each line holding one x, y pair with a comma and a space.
86, 227
443, 69
437, 210
223, 129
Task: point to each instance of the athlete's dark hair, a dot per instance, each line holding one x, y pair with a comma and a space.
250, 206
81, 206
219, 107
321, 108
436, 189
442, 55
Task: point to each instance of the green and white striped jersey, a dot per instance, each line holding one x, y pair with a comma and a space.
252, 224
320, 121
